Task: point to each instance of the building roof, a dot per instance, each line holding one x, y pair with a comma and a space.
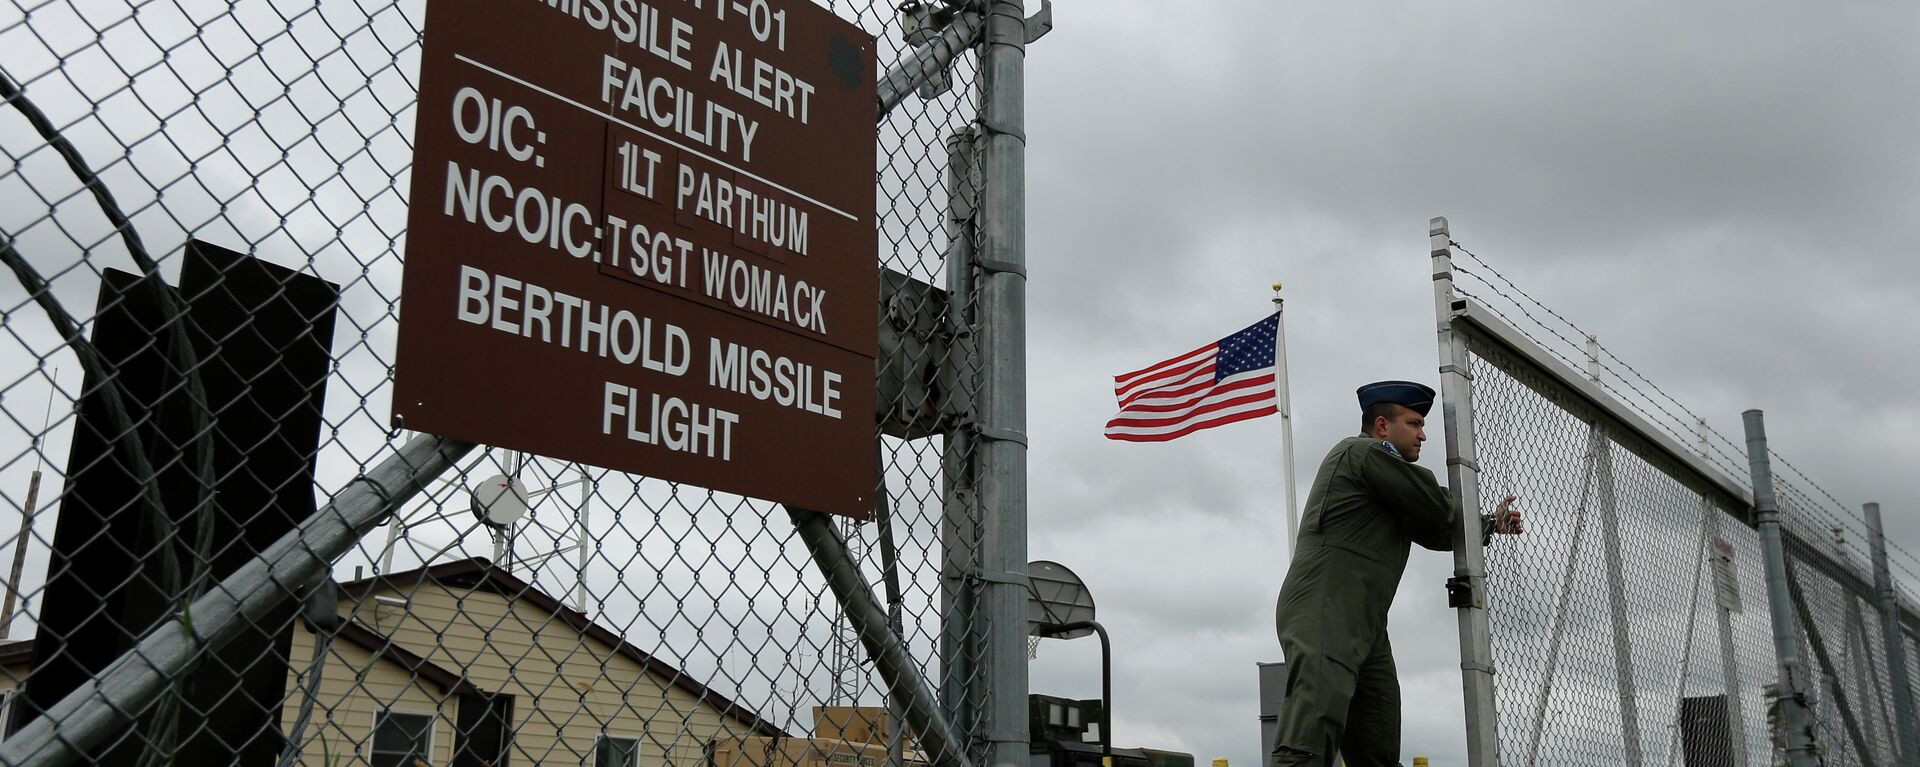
384, 648
478, 574
18, 652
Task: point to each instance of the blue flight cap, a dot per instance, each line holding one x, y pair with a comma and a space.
1416, 397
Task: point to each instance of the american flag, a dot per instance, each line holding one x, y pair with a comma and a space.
1225, 381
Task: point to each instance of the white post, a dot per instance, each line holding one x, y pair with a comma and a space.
503, 539
1631, 753
1463, 477
1559, 624
1893, 636
396, 529
580, 574
1858, 649
1729, 668
1286, 414
1674, 743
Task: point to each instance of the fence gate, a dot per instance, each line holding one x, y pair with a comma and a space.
1630, 624
221, 552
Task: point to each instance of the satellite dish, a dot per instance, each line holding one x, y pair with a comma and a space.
499, 501
1056, 595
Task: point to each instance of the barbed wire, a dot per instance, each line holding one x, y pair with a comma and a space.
1603, 382
1523, 428
1633, 387
1675, 426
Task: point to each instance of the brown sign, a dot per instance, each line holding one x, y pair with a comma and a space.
641, 237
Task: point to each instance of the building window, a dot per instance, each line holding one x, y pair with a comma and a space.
1073, 716
401, 739
1055, 714
610, 751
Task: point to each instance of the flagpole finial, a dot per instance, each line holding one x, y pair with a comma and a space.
1276, 293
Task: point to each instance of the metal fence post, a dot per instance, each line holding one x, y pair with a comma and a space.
1557, 632
1616, 576
959, 526
871, 625
1858, 650
927, 61
1816, 646
1729, 669
1463, 476
1002, 446
1904, 726
1794, 716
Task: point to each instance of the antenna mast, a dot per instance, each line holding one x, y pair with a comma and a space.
26, 515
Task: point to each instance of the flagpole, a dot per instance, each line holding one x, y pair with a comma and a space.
1286, 412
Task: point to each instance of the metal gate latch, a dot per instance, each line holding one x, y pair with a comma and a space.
1459, 591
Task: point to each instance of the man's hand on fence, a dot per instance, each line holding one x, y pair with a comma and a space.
1506, 519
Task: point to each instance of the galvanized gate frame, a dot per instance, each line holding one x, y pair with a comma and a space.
1459, 321
1466, 329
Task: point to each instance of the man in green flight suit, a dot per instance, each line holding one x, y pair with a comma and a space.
1368, 504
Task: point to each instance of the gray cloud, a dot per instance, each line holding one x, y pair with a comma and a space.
1720, 192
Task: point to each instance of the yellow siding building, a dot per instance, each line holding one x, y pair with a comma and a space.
465, 665
487, 670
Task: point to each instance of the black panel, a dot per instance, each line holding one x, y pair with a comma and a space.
484, 734
1706, 732
262, 336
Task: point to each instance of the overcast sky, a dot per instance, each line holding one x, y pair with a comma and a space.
1722, 192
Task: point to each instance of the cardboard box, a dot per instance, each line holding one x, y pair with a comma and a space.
854, 724
799, 752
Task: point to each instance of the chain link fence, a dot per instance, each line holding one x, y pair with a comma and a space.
206, 222
1609, 630
1631, 623
1830, 583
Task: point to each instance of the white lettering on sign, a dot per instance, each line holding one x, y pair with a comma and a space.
766, 24
515, 307
632, 178
537, 218
669, 422
631, 21
772, 377
524, 309
647, 253
748, 286
768, 85
480, 120
629, 91
655, 255
613, 217
717, 199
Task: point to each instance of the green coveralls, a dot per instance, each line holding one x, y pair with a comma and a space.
1366, 507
